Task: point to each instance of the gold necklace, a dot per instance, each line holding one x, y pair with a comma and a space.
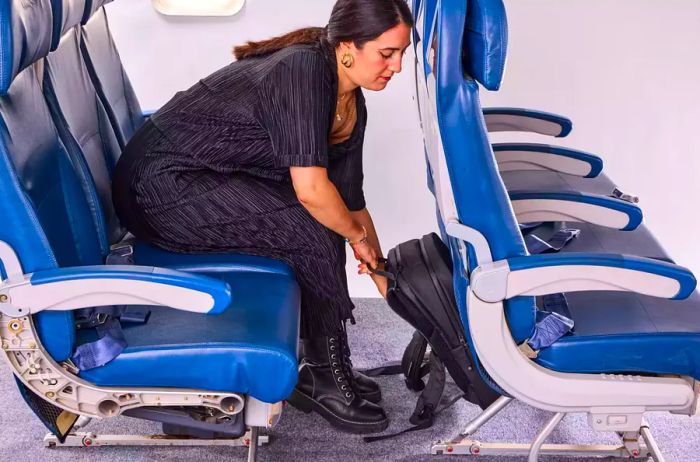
338, 117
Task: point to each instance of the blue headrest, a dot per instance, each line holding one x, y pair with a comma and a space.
486, 42
66, 15
91, 6
25, 36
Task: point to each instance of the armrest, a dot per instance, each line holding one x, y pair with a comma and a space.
509, 119
547, 274
534, 156
534, 206
88, 286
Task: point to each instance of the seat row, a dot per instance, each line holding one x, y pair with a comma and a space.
67, 110
636, 317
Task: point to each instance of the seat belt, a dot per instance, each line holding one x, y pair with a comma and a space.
550, 324
106, 320
558, 241
617, 194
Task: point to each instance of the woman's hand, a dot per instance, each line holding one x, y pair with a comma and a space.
365, 253
381, 282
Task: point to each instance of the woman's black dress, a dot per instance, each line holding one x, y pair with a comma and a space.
209, 172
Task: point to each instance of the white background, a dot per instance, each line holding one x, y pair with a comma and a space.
626, 72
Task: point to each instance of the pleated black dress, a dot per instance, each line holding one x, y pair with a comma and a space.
209, 172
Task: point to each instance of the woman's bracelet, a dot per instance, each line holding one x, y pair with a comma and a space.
360, 241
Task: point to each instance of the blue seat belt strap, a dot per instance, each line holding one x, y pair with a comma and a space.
558, 241
107, 321
550, 324
110, 344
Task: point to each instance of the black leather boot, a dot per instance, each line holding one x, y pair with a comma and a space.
365, 387
325, 388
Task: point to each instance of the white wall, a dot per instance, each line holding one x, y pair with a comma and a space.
624, 71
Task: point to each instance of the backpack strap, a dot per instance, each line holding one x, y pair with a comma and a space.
427, 405
414, 364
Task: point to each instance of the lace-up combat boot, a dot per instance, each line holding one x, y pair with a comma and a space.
364, 386
324, 387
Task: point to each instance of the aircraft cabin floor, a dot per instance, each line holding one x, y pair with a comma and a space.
378, 337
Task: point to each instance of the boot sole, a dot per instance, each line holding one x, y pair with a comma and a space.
307, 404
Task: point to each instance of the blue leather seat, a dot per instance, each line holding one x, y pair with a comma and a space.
83, 89
57, 221
251, 348
627, 332
614, 331
487, 41
108, 74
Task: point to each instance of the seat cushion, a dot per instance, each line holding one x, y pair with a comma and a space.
627, 332
150, 255
593, 238
251, 348
556, 182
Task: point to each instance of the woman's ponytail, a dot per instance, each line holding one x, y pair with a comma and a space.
264, 47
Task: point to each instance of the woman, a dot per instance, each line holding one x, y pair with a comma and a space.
264, 157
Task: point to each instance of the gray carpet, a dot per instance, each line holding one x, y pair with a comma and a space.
378, 337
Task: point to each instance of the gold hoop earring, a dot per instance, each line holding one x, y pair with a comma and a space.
347, 60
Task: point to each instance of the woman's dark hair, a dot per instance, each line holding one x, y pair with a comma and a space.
358, 21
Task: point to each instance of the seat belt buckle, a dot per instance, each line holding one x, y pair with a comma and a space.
120, 254
70, 367
527, 350
625, 197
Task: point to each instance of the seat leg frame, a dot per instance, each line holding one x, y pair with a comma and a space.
59, 384
635, 445
89, 439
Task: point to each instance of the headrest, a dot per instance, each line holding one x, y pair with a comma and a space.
91, 6
66, 15
25, 36
486, 42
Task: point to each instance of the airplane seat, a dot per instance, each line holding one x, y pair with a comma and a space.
223, 340
559, 188
534, 166
79, 113
107, 73
636, 320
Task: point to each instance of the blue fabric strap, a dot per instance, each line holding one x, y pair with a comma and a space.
110, 344
107, 322
558, 241
550, 327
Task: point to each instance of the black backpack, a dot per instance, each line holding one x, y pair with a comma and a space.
421, 292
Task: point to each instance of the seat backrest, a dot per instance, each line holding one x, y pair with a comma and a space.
92, 7
50, 223
108, 75
65, 14
468, 186
82, 121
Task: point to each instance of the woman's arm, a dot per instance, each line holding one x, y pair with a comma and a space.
320, 197
365, 219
